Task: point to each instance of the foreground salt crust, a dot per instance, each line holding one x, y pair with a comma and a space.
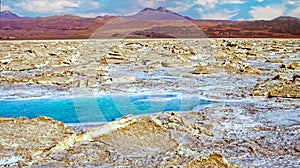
264, 133
143, 141
153, 65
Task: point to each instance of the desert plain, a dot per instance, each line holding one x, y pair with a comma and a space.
254, 122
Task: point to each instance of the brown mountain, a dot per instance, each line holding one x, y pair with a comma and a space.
54, 27
285, 18
8, 15
160, 13
148, 23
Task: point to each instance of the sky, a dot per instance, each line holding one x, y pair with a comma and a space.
198, 9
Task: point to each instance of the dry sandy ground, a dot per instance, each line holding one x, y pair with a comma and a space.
257, 125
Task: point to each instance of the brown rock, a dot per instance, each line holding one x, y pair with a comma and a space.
292, 66
278, 86
275, 60
28, 137
115, 59
213, 160
202, 70
141, 138
180, 124
63, 69
19, 65
287, 91
296, 78
53, 80
280, 78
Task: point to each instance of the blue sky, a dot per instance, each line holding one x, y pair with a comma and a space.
199, 9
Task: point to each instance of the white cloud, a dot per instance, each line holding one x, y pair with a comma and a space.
5, 7
295, 12
94, 4
93, 15
58, 6
224, 14
232, 2
148, 3
48, 6
180, 6
293, 2
209, 4
266, 13
259, 1
88, 15
200, 10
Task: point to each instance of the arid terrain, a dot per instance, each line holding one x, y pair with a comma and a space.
254, 121
13, 27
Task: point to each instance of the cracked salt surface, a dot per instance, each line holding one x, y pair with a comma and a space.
9, 160
255, 134
248, 131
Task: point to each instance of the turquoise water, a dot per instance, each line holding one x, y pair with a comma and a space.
97, 109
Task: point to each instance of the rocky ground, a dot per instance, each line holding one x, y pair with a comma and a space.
144, 142
257, 125
215, 68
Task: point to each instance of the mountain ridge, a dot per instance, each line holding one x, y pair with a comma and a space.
285, 18
8, 15
159, 13
75, 27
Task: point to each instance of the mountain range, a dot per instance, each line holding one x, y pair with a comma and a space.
159, 14
148, 23
8, 15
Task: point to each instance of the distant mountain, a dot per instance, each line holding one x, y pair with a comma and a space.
8, 15
285, 18
160, 13
148, 23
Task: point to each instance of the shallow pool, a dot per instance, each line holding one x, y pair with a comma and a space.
100, 108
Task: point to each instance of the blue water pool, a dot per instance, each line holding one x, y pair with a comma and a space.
97, 109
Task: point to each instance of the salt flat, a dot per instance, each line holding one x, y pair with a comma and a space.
216, 68
257, 79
